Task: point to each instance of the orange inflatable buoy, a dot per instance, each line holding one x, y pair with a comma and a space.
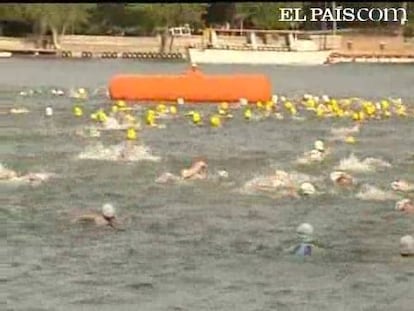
192, 86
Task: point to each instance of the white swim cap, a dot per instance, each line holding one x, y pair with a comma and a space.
243, 101
282, 99
281, 174
319, 145
407, 245
48, 111
81, 90
307, 96
395, 185
274, 98
399, 206
304, 229
307, 188
223, 174
108, 210
180, 101
325, 98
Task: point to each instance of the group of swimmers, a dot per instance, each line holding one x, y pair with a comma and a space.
121, 117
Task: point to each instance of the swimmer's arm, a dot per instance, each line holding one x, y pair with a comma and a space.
116, 226
318, 244
291, 249
86, 217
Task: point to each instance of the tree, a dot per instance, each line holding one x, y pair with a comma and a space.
220, 13
55, 17
265, 15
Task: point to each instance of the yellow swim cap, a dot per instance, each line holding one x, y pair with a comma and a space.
121, 103
114, 108
288, 105
131, 134
196, 117
224, 106
215, 121
77, 111
350, 140
173, 110
94, 116
102, 117
248, 114
161, 108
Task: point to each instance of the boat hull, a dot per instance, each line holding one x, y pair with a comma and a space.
5, 54
221, 56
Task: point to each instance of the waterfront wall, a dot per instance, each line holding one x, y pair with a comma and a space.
98, 44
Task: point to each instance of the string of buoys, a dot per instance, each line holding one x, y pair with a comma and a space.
128, 55
171, 56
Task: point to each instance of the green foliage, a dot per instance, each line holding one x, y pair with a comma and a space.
150, 18
265, 15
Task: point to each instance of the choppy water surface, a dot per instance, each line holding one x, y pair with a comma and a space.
202, 245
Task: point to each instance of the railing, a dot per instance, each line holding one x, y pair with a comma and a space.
245, 47
281, 32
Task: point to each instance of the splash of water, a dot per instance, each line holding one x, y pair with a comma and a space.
353, 164
372, 193
113, 153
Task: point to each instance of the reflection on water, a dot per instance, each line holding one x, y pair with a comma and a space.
201, 245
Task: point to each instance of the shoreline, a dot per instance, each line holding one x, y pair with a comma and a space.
352, 48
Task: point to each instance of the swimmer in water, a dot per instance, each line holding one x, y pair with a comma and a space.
33, 179
407, 246
198, 170
307, 189
129, 144
402, 186
6, 174
342, 179
107, 217
317, 154
279, 185
405, 205
305, 235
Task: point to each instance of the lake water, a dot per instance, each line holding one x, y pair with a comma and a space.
202, 245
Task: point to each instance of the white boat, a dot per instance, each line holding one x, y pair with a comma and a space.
5, 54
257, 57
295, 52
